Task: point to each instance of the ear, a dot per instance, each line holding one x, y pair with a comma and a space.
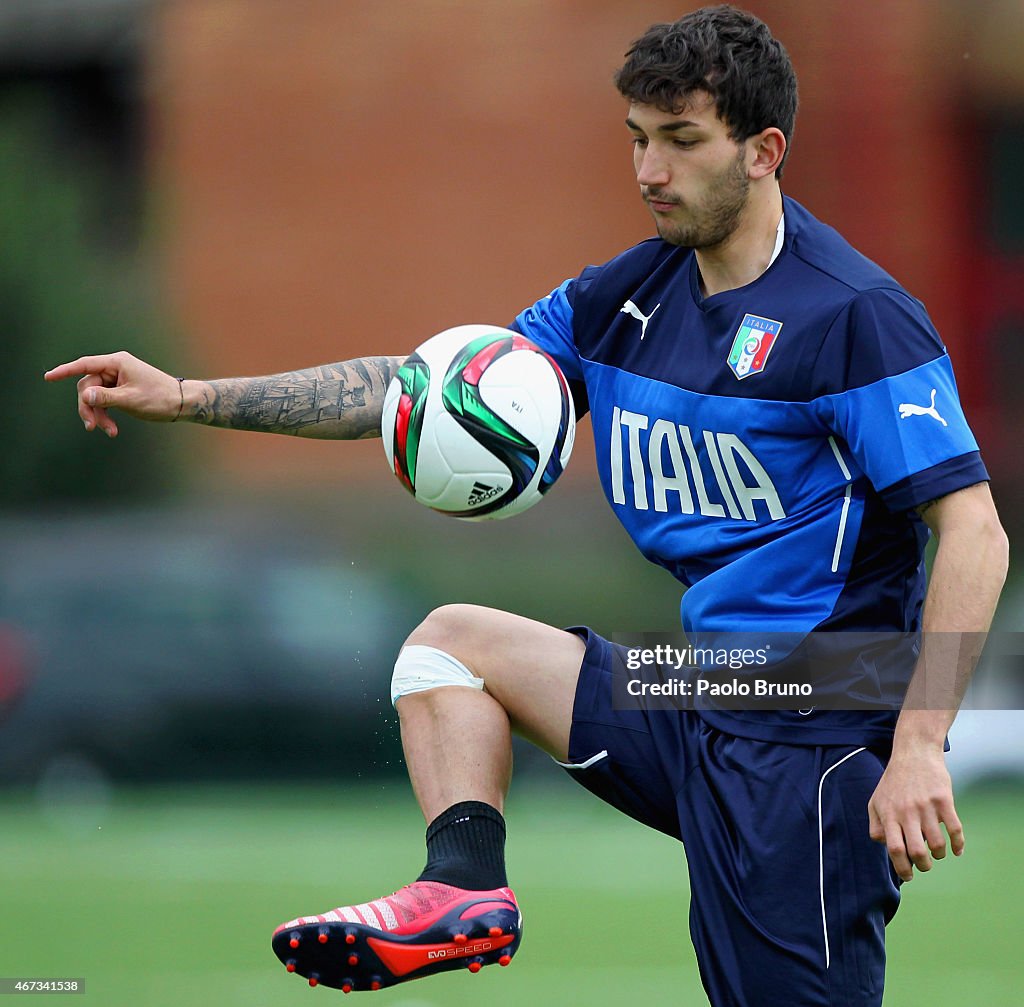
768, 148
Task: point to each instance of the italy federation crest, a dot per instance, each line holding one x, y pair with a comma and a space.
754, 341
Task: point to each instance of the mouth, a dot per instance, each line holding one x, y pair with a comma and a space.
660, 205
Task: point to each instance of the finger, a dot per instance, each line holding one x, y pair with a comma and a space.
106, 423
100, 397
93, 397
935, 838
896, 846
915, 844
85, 411
876, 829
94, 416
74, 368
954, 828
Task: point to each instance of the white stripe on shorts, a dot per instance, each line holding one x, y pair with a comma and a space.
821, 849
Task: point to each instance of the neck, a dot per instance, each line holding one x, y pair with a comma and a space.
747, 252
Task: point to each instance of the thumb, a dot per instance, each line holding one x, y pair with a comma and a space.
103, 397
876, 830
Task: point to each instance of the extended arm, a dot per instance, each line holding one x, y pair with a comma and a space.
914, 797
340, 401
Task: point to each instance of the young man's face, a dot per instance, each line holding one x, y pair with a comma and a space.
691, 175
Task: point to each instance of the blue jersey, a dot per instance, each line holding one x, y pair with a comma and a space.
768, 445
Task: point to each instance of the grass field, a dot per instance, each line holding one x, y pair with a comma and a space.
169, 897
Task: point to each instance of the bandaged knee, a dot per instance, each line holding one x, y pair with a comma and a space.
421, 668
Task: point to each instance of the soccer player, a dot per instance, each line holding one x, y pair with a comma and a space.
776, 423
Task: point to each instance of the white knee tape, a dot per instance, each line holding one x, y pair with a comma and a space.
420, 668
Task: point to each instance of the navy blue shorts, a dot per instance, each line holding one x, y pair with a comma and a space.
789, 894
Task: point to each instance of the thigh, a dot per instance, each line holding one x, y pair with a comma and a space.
530, 668
789, 895
632, 757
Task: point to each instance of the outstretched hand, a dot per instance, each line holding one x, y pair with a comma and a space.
910, 806
120, 381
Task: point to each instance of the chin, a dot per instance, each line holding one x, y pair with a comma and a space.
673, 236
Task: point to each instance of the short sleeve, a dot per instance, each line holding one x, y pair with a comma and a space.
897, 410
549, 323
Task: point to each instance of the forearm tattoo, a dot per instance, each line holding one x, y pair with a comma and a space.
342, 400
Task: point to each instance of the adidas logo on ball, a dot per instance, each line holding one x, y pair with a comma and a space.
478, 423
481, 492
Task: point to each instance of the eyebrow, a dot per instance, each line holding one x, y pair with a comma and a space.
668, 127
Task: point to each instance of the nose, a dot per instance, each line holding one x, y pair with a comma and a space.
651, 167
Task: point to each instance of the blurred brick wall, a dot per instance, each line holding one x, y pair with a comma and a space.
342, 178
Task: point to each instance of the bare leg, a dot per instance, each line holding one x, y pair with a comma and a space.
457, 741
458, 744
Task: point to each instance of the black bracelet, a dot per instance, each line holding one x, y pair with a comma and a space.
181, 405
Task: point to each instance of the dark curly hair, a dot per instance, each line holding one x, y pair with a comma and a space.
724, 51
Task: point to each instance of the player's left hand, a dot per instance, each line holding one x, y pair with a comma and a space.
910, 806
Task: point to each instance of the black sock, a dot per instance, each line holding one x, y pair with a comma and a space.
466, 847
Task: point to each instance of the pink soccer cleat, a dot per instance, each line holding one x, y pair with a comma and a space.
424, 928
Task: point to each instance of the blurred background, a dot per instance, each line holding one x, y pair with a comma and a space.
197, 627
